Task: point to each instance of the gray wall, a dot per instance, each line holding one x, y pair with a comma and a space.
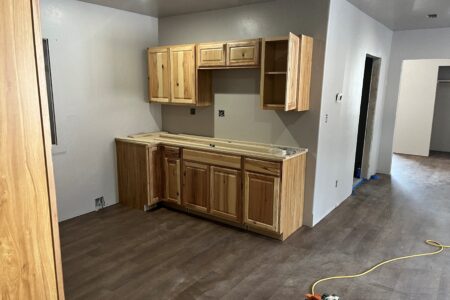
98, 64
237, 91
409, 44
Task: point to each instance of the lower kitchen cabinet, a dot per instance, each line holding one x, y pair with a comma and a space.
172, 179
261, 201
225, 199
195, 186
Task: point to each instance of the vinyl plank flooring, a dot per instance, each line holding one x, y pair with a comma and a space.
121, 253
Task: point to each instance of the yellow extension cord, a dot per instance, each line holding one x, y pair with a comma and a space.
428, 242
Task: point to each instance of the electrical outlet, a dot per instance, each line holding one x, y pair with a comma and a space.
99, 203
221, 113
326, 118
193, 111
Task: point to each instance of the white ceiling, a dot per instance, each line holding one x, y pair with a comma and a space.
165, 8
407, 14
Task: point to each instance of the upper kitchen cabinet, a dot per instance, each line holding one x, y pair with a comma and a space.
158, 70
174, 79
211, 55
182, 74
286, 72
243, 53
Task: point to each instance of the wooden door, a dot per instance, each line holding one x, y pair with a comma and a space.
292, 72
182, 74
195, 186
211, 54
158, 72
225, 196
30, 261
243, 53
261, 201
172, 179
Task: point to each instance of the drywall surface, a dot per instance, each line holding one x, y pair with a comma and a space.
415, 107
351, 36
409, 44
99, 74
440, 136
237, 91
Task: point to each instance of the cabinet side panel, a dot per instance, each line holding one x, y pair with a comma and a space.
292, 194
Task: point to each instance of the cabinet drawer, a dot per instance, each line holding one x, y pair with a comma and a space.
171, 152
213, 158
243, 53
262, 166
209, 54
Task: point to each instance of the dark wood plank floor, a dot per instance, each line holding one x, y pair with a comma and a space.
120, 253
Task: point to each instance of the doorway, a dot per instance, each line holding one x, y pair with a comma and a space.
366, 118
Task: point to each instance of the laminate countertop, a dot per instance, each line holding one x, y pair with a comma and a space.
266, 151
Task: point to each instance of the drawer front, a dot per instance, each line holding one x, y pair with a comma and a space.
171, 152
212, 158
262, 166
243, 53
211, 55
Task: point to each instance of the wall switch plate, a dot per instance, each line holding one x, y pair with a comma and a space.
99, 203
339, 97
221, 113
192, 111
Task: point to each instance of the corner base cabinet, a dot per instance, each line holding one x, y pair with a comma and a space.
260, 195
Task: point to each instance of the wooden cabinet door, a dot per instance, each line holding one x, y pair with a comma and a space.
225, 196
243, 53
172, 179
182, 74
305, 71
211, 54
154, 171
292, 72
158, 74
195, 186
261, 201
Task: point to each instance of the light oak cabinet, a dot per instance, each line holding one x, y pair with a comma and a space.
158, 70
195, 186
172, 174
286, 73
211, 55
261, 201
243, 53
225, 199
182, 74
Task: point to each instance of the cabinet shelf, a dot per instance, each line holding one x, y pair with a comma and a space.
275, 73
273, 106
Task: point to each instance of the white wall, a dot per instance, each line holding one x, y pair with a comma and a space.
237, 91
351, 35
415, 108
410, 44
99, 80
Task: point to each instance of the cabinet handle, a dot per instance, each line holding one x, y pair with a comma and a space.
243, 54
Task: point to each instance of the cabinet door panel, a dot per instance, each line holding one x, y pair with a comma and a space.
243, 53
172, 179
226, 193
261, 203
158, 72
292, 72
304, 87
196, 186
154, 174
182, 64
211, 54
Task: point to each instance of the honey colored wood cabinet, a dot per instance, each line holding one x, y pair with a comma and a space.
182, 74
225, 193
195, 186
243, 53
286, 73
138, 169
172, 177
211, 55
261, 201
158, 70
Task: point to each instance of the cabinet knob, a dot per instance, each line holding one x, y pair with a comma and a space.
178, 84
243, 54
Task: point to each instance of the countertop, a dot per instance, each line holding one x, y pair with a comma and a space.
259, 150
